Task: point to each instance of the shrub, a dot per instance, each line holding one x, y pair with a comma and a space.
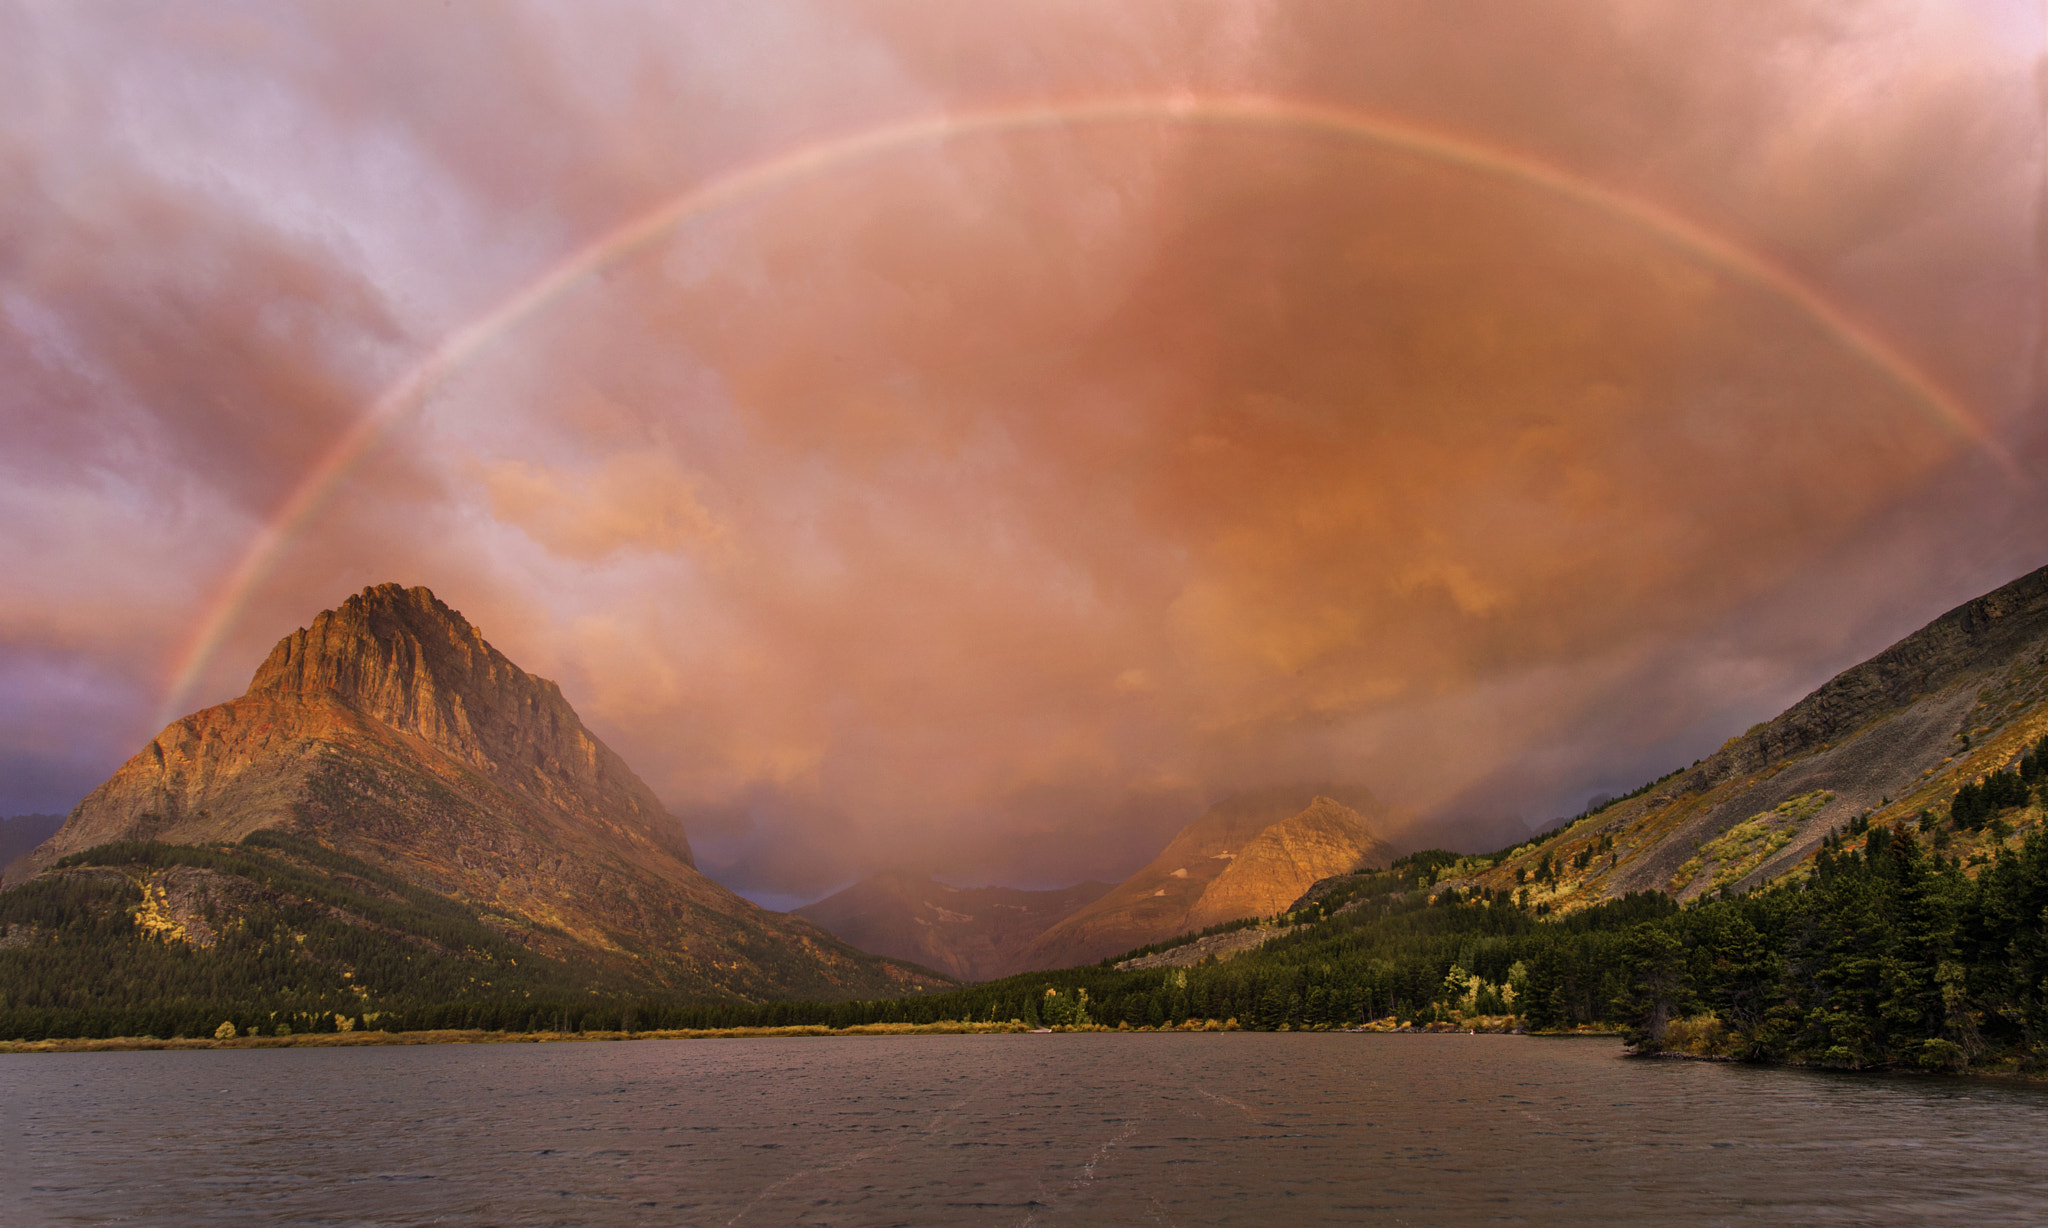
1938, 1054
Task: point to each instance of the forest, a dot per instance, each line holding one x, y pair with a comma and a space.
1881, 953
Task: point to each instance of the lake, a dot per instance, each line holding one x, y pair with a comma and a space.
1230, 1128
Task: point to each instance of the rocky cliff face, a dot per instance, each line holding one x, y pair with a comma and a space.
1249, 856
391, 731
391, 672
1286, 859
971, 933
402, 658
1885, 740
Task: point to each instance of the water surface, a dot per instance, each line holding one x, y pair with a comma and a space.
1234, 1128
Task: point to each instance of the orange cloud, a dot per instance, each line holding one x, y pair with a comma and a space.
993, 502
636, 501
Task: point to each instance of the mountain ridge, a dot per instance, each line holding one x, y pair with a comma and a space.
1879, 742
21, 833
391, 731
1248, 855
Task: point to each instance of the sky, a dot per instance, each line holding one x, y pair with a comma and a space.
972, 438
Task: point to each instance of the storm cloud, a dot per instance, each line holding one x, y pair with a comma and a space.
988, 501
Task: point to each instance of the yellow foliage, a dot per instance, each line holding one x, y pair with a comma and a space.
1750, 843
1698, 1036
153, 915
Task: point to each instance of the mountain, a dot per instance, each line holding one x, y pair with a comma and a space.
1248, 856
392, 733
973, 933
1880, 743
22, 832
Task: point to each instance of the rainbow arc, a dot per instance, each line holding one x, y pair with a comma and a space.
653, 226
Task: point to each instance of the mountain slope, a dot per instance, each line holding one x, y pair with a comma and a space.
1880, 742
391, 731
22, 832
1250, 855
973, 933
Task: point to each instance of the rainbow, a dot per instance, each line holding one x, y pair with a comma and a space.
649, 228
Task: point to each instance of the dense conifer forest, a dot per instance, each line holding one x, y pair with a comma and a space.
299, 937
1882, 952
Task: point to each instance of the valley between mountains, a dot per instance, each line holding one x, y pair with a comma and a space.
386, 756
395, 823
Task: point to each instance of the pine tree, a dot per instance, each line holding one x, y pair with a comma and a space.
1744, 981
1922, 934
1657, 988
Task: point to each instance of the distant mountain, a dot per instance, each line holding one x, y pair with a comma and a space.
22, 832
391, 732
1248, 856
973, 933
1880, 742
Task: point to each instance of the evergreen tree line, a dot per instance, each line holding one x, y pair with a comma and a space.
1884, 954
1976, 803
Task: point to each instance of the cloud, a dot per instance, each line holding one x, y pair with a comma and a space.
990, 503
634, 501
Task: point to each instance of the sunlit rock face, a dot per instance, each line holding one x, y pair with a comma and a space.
391, 730
1249, 856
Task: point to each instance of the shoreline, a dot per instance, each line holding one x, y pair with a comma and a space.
477, 1036
473, 1036
2008, 1071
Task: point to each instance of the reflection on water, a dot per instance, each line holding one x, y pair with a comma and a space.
1229, 1128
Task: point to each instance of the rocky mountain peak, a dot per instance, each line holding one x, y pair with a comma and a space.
390, 732
402, 657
